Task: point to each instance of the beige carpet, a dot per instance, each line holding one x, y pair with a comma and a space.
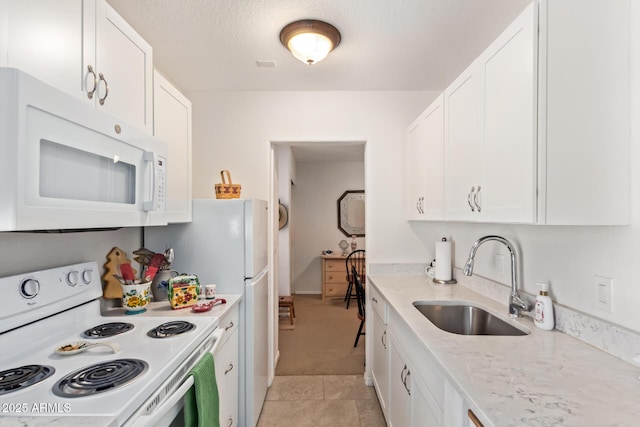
321, 342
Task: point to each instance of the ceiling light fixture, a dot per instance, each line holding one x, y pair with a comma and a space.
309, 40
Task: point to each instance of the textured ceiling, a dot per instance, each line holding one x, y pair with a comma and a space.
386, 44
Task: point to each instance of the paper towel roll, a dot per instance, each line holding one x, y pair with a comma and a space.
443, 260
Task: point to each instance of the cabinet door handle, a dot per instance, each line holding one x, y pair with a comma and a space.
106, 88
475, 199
473, 189
95, 82
229, 326
230, 421
402, 374
374, 299
229, 369
382, 337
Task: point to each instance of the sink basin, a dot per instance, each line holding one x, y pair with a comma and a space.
465, 319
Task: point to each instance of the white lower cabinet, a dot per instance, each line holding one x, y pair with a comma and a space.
399, 387
380, 348
411, 402
226, 362
380, 361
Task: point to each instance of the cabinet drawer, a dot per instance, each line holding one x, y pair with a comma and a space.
229, 323
332, 289
423, 362
335, 277
338, 265
378, 303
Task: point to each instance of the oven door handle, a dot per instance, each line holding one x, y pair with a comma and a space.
153, 418
167, 405
219, 332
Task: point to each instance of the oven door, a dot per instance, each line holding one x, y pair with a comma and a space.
164, 407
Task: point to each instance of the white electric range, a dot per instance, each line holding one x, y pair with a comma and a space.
42, 311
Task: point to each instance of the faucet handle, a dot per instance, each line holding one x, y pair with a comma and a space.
517, 305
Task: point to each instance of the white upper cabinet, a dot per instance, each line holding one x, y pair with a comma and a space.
463, 146
584, 142
44, 39
172, 124
124, 64
536, 129
507, 71
57, 42
423, 161
490, 145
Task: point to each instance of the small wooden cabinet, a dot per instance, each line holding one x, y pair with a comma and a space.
334, 276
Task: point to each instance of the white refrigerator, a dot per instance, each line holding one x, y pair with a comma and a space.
226, 244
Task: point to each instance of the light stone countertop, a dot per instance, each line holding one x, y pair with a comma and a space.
546, 378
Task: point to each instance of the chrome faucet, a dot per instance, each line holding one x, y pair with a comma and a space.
517, 304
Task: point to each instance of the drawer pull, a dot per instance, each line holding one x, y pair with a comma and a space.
229, 369
106, 88
229, 326
475, 199
95, 82
473, 189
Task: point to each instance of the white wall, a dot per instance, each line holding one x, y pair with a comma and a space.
285, 235
233, 130
315, 197
26, 252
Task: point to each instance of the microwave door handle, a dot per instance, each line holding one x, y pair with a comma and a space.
148, 205
152, 418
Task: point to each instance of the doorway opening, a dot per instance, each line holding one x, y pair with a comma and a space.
308, 179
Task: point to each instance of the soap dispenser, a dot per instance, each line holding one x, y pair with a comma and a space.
544, 309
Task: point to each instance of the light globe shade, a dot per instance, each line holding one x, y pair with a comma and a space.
310, 41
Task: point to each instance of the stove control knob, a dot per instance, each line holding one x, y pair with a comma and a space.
29, 288
87, 276
72, 278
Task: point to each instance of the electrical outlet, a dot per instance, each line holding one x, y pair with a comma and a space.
500, 264
603, 293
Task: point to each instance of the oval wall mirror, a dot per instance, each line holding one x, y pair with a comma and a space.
351, 213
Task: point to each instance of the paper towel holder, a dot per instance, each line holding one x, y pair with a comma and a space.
452, 281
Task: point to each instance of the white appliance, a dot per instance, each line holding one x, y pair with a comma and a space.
143, 384
227, 244
68, 165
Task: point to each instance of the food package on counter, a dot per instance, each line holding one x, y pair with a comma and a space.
183, 291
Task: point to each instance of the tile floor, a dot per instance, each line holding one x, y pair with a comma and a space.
321, 400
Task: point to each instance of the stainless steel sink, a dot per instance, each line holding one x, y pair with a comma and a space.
465, 319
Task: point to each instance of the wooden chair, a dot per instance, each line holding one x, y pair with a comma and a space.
356, 259
285, 306
361, 303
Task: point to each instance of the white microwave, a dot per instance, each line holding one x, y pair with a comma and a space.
67, 165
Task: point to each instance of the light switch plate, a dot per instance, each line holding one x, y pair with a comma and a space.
603, 293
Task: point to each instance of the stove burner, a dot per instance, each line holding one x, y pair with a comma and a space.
170, 329
100, 377
108, 330
18, 378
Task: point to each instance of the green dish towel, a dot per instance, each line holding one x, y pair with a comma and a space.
201, 403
